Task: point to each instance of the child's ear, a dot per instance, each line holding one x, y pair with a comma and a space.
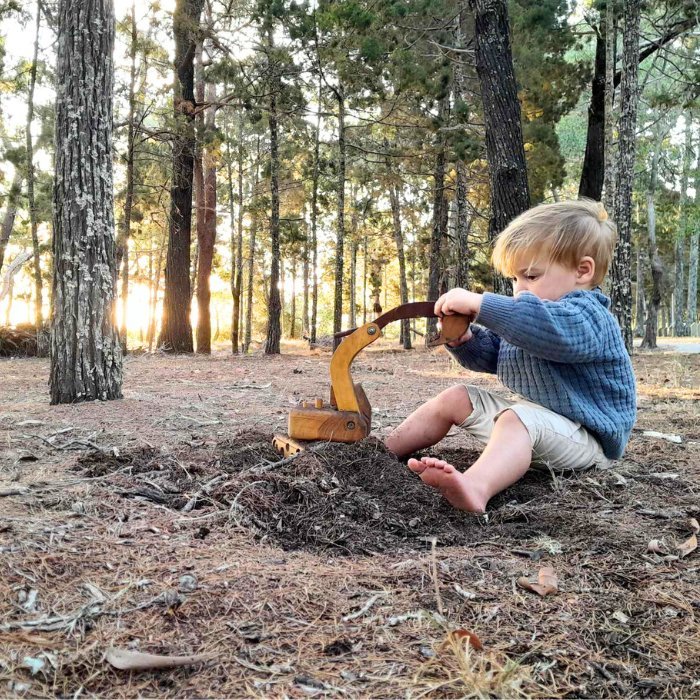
585, 270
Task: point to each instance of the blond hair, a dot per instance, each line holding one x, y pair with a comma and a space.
563, 232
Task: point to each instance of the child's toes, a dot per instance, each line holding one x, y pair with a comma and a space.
417, 467
432, 462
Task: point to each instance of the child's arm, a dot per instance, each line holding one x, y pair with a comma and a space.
480, 352
570, 330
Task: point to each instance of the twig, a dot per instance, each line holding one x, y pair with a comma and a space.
364, 608
433, 558
262, 468
206, 489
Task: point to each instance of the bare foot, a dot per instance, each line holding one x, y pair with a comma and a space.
452, 484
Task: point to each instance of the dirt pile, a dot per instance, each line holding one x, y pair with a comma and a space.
353, 499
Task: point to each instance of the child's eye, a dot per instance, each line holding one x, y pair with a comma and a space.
532, 278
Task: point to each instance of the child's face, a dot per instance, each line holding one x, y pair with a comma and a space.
551, 281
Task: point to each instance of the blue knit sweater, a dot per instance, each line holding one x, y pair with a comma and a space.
567, 355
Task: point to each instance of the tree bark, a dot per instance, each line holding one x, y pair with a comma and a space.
251, 253
206, 237
125, 227
621, 283
38, 284
593, 172
314, 218
353, 278
364, 279
176, 331
510, 195
238, 272
274, 328
463, 226
692, 304
610, 161
293, 303
401, 254
680, 327
641, 298
439, 210
86, 360
8, 221
340, 230
656, 266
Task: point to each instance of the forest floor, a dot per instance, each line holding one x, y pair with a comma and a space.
163, 523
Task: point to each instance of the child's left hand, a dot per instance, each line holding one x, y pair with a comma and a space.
458, 301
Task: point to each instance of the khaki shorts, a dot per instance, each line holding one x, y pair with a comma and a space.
558, 443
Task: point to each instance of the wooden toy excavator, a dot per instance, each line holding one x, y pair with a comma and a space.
347, 417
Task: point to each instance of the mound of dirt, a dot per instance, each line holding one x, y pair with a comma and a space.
349, 498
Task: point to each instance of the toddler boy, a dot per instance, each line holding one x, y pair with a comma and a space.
554, 343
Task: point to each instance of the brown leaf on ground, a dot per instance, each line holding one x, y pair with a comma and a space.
470, 638
695, 525
137, 661
690, 545
546, 582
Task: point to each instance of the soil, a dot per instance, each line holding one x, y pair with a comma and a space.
167, 523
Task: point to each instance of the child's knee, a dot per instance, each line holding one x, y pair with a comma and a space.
454, 404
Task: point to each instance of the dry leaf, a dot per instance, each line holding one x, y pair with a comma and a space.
656, 546
465, 635
688, 546
136, 661
694, 525
546, 582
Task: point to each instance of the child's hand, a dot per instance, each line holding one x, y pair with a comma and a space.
458, 301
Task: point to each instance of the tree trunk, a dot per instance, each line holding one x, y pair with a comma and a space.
206, 237
274, 328
125, 227
463, 226
38, 284
238, 284
86, 360
156, 290
235, 329
641, 299
692, 305
353, 279
314, 218
621, 286
293, 304
656, 266
439, 207
340, 231
176, 331
251, 253
8, 221
681, 327
593, 172
251, 270
510, 195
400, 252
463, 222
610, 161
364, 279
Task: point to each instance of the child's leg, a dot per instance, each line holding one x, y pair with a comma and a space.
428, 424
505, 459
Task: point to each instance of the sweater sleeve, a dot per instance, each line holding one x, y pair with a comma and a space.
568, 330
480, 352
